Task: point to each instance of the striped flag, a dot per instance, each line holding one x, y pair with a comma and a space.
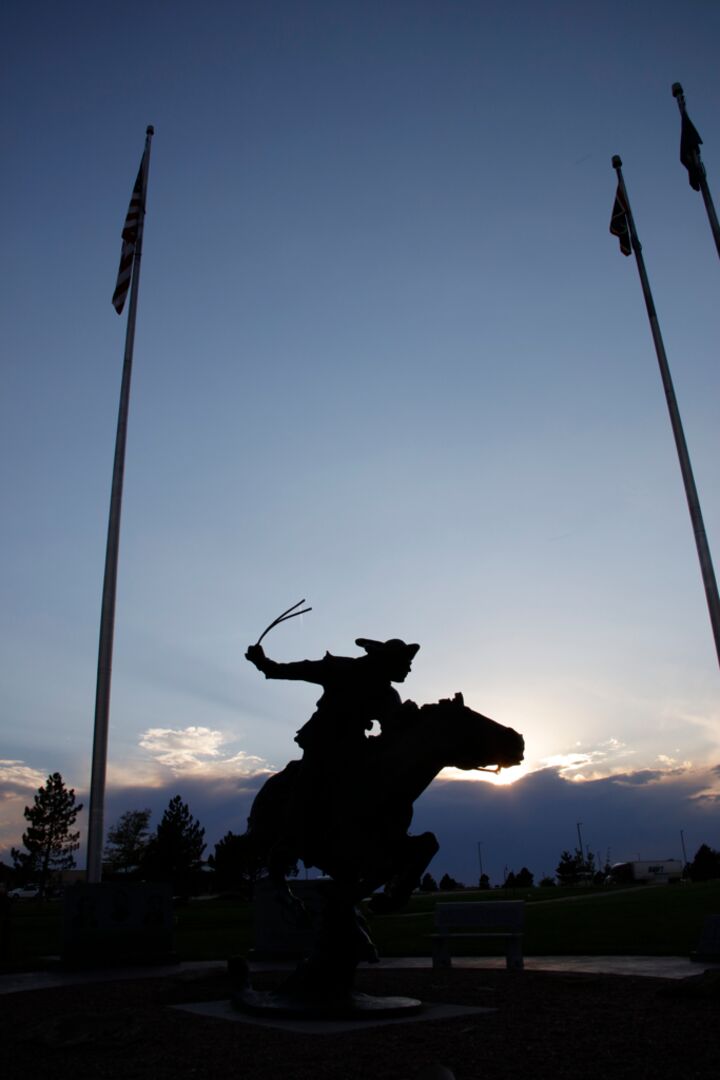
690, 143
619, 223
129, 236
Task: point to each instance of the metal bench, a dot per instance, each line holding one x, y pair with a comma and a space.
488, 919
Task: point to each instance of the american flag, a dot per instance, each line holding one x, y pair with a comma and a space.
690, 143
619, 222
129, 237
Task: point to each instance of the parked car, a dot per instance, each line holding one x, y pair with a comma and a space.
26, 892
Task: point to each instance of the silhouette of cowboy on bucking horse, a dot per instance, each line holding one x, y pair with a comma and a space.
347, 806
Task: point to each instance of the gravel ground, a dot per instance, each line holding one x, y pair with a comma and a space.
545, 1025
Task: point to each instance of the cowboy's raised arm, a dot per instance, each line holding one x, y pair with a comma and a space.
304, 670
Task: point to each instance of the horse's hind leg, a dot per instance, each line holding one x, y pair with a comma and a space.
414, 854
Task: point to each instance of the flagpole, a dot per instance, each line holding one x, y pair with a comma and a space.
703, 549
679, 96
107, 618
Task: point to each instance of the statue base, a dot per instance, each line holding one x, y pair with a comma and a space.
355, 1007
317, 1004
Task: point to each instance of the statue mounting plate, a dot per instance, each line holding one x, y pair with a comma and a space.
353, 1006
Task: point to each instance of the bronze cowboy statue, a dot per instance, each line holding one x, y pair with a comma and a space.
347, 806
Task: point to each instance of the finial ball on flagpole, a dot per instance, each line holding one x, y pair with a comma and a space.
150, 130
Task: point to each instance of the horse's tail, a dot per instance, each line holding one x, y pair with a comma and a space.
267, 845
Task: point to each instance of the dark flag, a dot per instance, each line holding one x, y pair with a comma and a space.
690, 143
129, 237
619, 223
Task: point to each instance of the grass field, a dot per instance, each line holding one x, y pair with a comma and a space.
650, 921
663, 920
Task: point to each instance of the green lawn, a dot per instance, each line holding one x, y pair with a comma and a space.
652, 921
645, 921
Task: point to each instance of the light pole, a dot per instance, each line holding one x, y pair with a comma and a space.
479, 845
582, 868
580, 840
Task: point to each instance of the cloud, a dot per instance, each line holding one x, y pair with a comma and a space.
18, 783
530, 822
600, 760
194, 759
643, 776
18, 778
197, 750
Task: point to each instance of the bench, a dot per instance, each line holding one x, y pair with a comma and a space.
488, 919
709, 944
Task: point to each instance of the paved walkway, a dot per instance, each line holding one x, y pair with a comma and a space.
660, 967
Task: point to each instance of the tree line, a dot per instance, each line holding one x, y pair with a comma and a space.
174, 851
575, 868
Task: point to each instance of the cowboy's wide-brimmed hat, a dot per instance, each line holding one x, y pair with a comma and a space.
393, 647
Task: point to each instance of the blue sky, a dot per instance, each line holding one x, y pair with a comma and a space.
388, 358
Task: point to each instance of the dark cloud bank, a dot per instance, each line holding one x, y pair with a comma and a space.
527, 823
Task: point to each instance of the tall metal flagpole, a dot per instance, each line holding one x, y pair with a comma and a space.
107, 618
703, 550
690, 146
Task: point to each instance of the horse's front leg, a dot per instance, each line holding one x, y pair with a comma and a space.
412, 858
294, 913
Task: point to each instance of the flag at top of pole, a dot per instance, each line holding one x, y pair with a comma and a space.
130, 234
619, 222
690, 143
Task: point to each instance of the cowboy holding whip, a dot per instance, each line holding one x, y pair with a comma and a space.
356, 690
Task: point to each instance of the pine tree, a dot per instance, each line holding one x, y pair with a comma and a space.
175, 851
127, 841
49, 841
428, 884
569, 868
236, 863
577, 868
706, 864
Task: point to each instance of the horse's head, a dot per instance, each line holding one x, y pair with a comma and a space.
473, 741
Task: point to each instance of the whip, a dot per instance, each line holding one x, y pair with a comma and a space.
289, 614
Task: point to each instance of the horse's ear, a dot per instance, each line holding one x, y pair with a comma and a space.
458, 699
